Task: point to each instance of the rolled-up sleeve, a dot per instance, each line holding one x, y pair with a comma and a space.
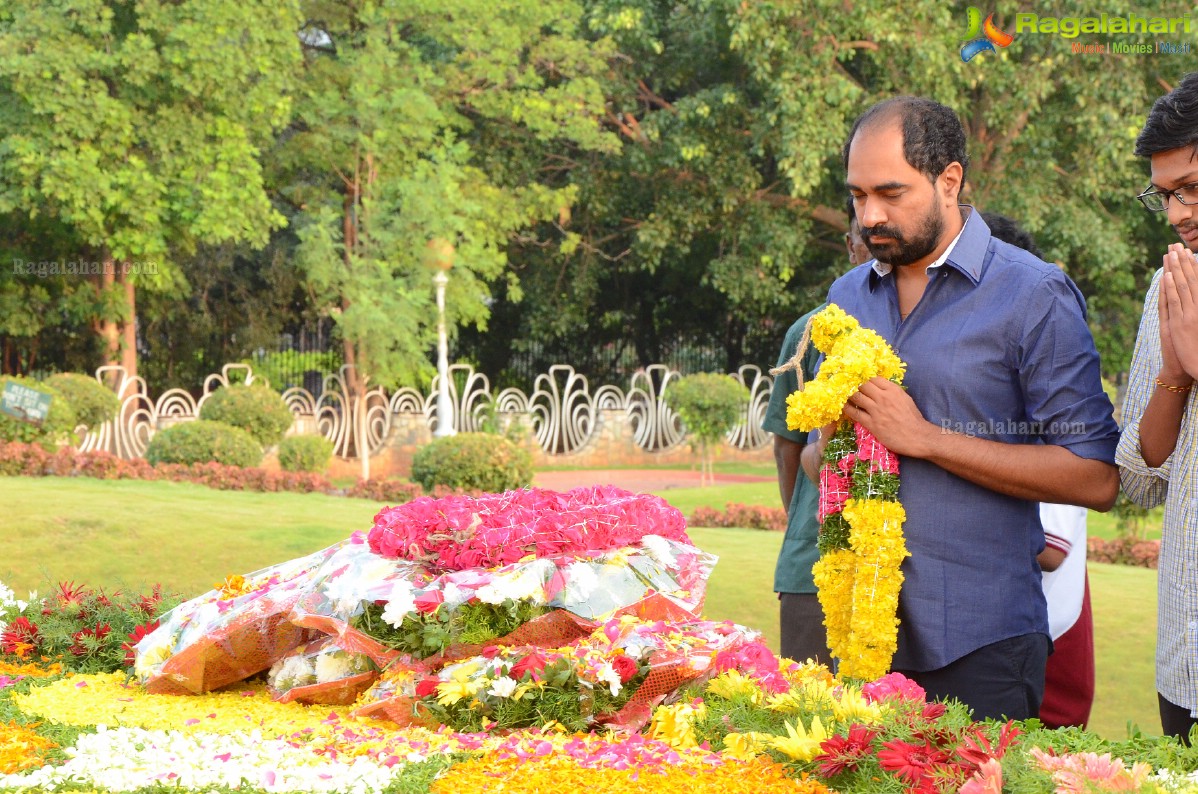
1145, 485
1061, 373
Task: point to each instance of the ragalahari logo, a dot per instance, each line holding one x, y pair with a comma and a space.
983, 37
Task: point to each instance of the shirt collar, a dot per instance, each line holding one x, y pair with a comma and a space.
967, 257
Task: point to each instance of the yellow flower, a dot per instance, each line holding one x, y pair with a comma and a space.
746, 746
852, 355
801, 744
731, 684
450, 692
675, 725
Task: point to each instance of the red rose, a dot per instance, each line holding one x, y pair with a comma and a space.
625, 667
428, 602
426, 687
533, 663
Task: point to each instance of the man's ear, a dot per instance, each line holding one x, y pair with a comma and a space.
951, 179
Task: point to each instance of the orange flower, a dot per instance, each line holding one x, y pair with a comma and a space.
21, 748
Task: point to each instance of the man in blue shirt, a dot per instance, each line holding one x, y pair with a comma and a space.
1002, 407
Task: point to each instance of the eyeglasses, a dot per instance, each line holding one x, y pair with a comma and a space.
1158, 200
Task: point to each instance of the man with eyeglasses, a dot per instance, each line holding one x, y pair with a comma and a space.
1158, 450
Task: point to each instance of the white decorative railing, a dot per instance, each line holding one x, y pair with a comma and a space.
562, 410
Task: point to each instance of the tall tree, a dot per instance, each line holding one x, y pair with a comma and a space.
719, 219
138, 124
383, 161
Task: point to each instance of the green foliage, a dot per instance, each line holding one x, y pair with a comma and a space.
259, 410
472, 462
94, 403
202, 441
305, 453
387, 158
285, 368
1131, 520
425, 634
709, 404
88, 631
140, 127
58, 427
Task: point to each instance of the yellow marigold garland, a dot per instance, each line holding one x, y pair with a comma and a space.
852, 355
858, 575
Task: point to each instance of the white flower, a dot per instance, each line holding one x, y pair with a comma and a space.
581, 580
334, 666
454, 595
660, 549
504, 687
400, 602
490, 594
608, 675
128, 759
344, 595
292, 671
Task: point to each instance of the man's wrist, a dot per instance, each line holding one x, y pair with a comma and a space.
1177, 382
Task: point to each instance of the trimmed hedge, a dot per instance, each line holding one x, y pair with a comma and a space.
259, 410
305, 453
94, 403
60, 423
204, 441
472, 462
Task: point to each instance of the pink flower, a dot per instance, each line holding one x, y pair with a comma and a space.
833, 492
987, 780
428, 601
869, 448
893, 685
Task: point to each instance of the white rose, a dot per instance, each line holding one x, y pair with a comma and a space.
400, 602
504, 687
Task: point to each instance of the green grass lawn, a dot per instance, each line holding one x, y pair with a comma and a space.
131, 533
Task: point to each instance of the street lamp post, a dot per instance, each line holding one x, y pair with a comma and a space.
441, 254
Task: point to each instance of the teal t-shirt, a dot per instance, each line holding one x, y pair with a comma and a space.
793, 571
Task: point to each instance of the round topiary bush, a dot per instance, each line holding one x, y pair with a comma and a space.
472, 462
259, 410
305, 453
709, 405
202, 441
94, 403
57, 428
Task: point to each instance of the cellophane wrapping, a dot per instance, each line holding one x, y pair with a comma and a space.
321, 672
227, 635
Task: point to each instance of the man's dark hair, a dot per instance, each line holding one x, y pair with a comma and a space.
1173, 121
932, 134
1011, 232
852, 213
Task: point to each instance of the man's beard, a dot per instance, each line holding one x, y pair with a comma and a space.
903, 250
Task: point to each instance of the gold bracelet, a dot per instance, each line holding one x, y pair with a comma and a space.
1171, 388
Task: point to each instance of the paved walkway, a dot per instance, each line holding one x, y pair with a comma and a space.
637, 480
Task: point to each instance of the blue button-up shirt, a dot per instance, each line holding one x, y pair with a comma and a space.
997, 348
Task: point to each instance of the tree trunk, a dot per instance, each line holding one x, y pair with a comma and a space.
109, 332
129, 326
357, 409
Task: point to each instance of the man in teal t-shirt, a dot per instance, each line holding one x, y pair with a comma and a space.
801, 618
